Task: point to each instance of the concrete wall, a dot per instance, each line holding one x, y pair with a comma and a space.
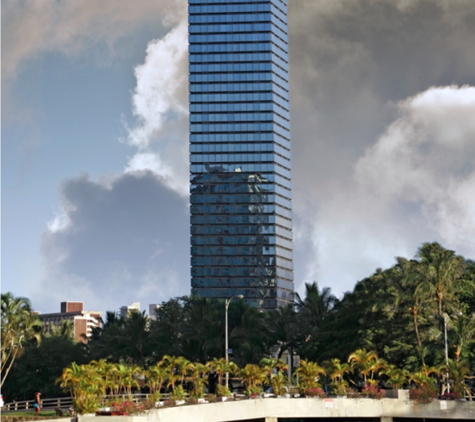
271, 409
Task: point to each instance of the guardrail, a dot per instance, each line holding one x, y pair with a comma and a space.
61, 402
66, 402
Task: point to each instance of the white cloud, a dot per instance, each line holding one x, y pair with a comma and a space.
160, 105
415, 184
427, 158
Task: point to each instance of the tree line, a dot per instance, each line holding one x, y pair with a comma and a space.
400, 313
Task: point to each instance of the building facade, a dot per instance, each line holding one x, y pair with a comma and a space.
240, 173
83, 321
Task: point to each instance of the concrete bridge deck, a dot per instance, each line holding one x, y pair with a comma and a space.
276, 409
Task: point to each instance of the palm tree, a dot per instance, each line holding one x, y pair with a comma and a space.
221, 367
408, 295
155, 376
397, 377
84, 384
279, 382
423, 376
335, 370
365, 362
196, 377
18, 325
252, 376
458, 373
317, 303
308, 374
65, 329
463, 327
440, 272
285, 328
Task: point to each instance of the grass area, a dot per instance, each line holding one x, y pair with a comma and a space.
27, 413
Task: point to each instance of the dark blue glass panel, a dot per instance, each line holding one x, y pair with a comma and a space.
240, 151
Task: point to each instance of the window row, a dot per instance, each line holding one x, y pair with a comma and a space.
254, 198
248, 167
248, 147
242, 229
226, 261
230, 87
239, 67
237, 229
231, 154
240, 8
242, 219
210, 39
240, 158
241, 178
241, 127
282, 4
197, 58
231, 8
246, 61
241, 272
233, 19
238, 77
233, 127
240, 117
239, 87
241, 282
238, 48
239, 27
241, 209
238, 137
239, 107
241, 188
230, 178
241, 250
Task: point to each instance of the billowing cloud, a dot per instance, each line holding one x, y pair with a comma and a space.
160, 105
124, 241
415, 184
426, 159
352, 66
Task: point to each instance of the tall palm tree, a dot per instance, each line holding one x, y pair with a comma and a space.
285, 328
18, 325
440, 272
317, 303
408, 296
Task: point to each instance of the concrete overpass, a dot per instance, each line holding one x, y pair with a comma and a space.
280, 409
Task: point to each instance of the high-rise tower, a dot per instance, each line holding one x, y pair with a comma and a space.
241, 227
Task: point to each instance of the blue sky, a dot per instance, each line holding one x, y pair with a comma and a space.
94, 143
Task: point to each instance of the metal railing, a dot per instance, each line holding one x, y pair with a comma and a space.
61, 402
66, 402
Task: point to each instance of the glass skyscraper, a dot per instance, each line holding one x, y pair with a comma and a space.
240, 174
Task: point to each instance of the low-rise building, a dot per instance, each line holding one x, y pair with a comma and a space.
84, 321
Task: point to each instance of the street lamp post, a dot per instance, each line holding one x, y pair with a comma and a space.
446, 354
228, 301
